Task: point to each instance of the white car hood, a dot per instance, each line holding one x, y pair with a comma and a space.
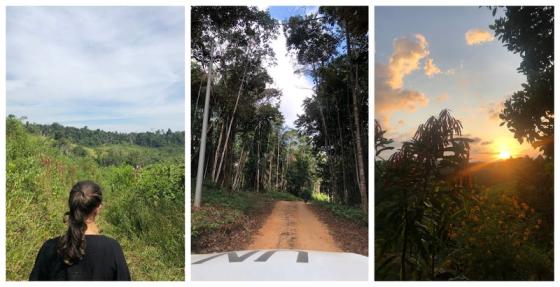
279, 265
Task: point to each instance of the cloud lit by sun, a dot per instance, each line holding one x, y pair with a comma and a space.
417, 74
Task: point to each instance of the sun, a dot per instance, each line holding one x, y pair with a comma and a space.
504, 154
504, 148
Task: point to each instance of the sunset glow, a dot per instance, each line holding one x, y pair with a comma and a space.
464, 121
421, 69
504, 154
505, 147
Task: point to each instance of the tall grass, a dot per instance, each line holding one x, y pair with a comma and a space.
143, 208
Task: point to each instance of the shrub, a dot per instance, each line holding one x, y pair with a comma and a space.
143, 208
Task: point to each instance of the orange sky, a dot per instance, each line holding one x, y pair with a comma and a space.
433, 58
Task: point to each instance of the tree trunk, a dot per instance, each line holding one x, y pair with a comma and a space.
231, 120
284, 170
277, 161
356, 116
404, 246
258, 164
206, 167
270, 170
239, 169
324, 125
196, 103
228, 163
202, 150
217, 153
345, 188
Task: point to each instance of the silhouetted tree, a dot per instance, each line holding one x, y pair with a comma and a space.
529, 113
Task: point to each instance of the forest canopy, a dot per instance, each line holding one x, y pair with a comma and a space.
249, 145
89, 137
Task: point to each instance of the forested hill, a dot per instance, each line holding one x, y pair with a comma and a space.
97, 137
108, 148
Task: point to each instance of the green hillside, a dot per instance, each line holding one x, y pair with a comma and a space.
143, 204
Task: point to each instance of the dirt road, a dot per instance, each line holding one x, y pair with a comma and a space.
293, 225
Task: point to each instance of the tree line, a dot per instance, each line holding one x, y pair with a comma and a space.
244, 147
332, 48
88, 137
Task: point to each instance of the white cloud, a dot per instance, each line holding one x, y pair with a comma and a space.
120, 68
295, 87
262, 7
407, 53
430, 68
389, 100
390, 96
311, 9
478, 36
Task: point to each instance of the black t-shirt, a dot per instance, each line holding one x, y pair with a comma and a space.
103, 261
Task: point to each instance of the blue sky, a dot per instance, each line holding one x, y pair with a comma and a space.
285, 12
295, 87
113, 68
469, 72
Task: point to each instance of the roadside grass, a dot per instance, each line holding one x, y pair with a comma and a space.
320, 197
353, 214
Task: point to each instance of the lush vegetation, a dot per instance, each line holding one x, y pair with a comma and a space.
250, 156
87, 137
143, 204
529, 113
353, 214
332, 48
248, 147
224, 211
439, 217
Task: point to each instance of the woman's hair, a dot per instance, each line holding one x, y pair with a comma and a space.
85, 197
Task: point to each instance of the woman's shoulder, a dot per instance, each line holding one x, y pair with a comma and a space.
51, 243
49, 247
103, 240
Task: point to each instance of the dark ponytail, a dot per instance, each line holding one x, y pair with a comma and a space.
85, 197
